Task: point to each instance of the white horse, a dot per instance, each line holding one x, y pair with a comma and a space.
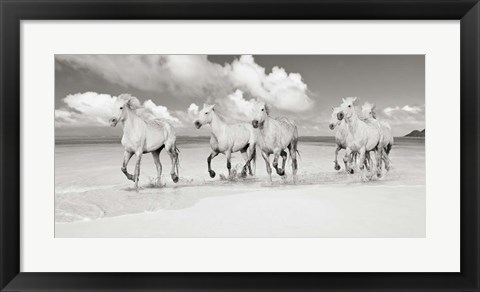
228, 138
364, 137
276, 134
369, 115
341, 135
143, 132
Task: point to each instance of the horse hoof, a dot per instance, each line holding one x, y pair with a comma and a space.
281, 172
175, 178
337, 167
379, 175
212, 173
350, 171
243, 174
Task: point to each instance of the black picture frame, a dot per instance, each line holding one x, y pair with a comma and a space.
13, 11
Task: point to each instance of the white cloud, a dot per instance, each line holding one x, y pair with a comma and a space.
280, 89
85, 109
242, 105
404, 118
63, 117
194, 76
187, 117
94, 109
237, 107
412, 109
193, 109
405, 111
91, 104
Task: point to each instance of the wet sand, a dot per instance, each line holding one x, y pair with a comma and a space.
94, 199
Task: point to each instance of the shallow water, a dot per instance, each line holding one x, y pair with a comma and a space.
90, 185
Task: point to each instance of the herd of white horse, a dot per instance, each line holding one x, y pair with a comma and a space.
143, 132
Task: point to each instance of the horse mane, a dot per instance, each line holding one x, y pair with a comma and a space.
132, 102
146, 114
149, 117
220, 116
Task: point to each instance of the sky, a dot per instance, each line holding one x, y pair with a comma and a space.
175, 87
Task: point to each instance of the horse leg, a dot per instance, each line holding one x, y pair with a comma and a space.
250, 154
362, 158
276, 155
386, 159
253, 161
266, 157
284, 157
368, 160
347, 159
293, 156
229, 164
247, 162
172, 152
126, 158
158, 165
209, 160
379, 154
353, 160
337, 166
137, 167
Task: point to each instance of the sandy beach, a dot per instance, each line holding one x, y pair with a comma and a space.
94, 199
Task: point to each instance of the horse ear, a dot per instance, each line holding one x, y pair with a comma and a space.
205, 105
343, 99
354, 100
213, 107
374, 106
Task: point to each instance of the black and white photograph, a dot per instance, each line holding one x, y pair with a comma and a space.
240, 146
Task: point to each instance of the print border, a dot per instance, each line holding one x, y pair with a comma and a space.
13, 11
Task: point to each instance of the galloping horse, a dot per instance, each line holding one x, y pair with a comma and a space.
276, 134
341, 137
364, 137
228, 138
143, 132
369, 115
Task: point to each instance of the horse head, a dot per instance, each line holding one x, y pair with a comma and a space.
260, 113
334, 119
347, 108
123, 102
204, 116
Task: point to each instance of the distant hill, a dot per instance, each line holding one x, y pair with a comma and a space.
416, 133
